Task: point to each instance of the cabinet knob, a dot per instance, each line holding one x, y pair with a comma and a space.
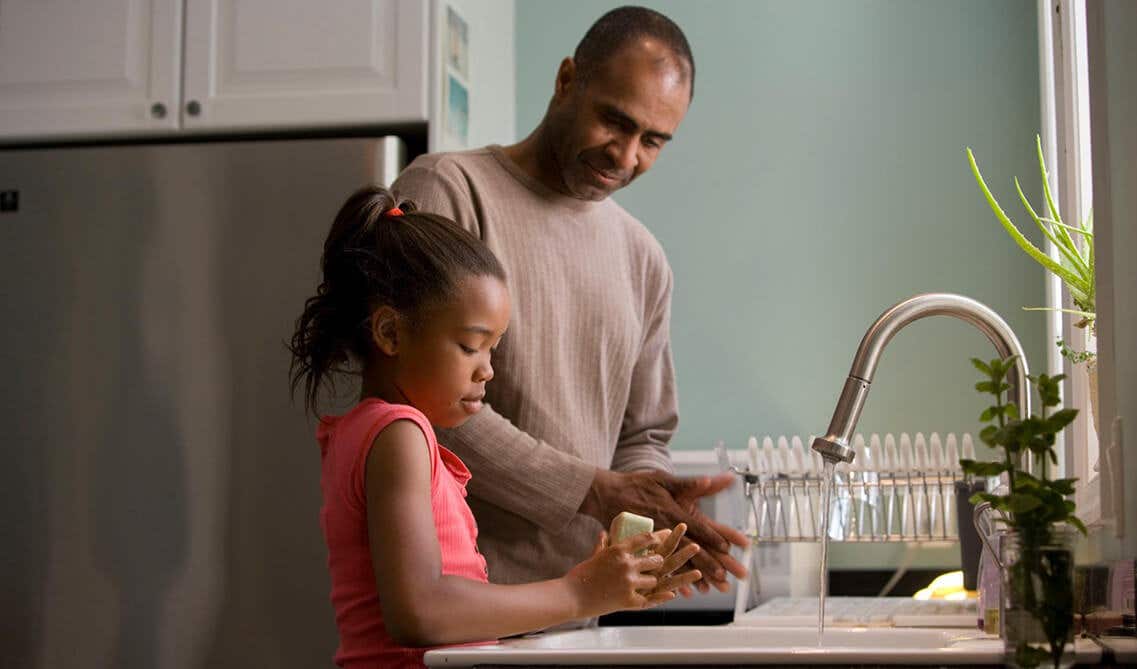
193, 107
158, 110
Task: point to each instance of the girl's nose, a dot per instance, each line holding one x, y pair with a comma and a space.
484, 372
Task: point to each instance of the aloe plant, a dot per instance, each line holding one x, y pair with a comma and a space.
1075, 263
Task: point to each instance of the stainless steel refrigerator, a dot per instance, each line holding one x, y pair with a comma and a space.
160, 487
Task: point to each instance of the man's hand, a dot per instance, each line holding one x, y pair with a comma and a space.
671, 500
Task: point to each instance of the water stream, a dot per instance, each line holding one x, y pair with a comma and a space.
826, 493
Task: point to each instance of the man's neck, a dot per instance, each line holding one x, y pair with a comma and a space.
535, 157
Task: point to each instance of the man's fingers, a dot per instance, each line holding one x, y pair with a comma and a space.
697, 486
730, 534
702, 531
736, 568
708, 562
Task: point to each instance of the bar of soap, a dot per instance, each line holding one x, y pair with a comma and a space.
627, 525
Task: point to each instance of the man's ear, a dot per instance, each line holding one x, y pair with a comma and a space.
385, 330
566, 78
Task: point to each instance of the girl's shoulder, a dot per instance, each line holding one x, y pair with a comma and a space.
347, 440
363, 423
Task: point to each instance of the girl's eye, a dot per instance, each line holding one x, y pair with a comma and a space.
467, 350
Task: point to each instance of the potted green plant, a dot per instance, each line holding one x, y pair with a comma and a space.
1038, 585
1074, 266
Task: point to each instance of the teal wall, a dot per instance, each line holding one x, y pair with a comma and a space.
819, 178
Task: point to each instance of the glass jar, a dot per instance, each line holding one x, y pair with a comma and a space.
1038, 598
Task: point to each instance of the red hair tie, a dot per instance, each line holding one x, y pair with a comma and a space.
394, 211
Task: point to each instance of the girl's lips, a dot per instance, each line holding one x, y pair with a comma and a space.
471, 406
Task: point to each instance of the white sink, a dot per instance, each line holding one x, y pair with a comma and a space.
729, 645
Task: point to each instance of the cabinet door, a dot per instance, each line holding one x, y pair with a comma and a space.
272, 64
79, 69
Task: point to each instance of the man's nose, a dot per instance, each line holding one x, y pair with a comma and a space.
624, 153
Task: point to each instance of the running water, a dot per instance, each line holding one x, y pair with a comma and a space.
826, 492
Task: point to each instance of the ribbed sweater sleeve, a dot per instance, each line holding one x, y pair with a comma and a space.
652, 412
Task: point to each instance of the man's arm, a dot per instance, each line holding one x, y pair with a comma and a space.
652, 411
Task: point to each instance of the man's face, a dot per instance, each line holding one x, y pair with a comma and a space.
608, 130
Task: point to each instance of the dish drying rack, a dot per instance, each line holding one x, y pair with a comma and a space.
896, 489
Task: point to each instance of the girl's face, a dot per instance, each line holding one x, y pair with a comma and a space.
443, 359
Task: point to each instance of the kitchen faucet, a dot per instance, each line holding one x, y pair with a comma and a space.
834, 446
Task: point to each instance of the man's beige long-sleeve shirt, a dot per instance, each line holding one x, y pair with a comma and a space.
583, 378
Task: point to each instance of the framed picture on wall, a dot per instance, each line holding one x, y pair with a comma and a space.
456, 79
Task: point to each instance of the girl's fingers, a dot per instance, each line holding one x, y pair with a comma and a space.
645, 583
601, 544
677, 581
652, 563
677, 535
639, 542
657, 598
678, 559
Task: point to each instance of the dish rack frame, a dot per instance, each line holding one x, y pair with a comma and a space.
891, 495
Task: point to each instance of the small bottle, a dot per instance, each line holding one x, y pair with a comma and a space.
990, 587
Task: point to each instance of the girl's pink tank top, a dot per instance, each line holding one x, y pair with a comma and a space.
345, 442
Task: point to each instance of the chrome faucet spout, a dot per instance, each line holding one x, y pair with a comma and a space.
834, 446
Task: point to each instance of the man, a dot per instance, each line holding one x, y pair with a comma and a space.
582, 406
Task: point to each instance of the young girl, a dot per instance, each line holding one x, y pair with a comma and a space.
417, 305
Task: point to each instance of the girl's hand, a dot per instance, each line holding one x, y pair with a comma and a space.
615, 577
668, 581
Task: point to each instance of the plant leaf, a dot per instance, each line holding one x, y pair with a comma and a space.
983, 468
1022, 502
1062, 241
1023, 243
1060, 419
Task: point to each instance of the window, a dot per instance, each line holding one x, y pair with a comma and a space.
1066, 144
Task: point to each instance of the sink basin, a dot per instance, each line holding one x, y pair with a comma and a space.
729, 645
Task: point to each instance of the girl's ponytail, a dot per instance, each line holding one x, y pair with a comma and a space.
379, 251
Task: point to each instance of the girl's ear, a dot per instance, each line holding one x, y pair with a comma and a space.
385, 330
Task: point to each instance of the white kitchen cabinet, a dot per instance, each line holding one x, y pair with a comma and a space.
75, 69
255, 64
115, 68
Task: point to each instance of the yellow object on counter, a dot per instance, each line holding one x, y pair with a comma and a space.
946, 586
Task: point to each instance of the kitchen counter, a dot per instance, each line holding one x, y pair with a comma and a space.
740, 646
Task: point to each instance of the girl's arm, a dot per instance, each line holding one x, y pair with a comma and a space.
422, 607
